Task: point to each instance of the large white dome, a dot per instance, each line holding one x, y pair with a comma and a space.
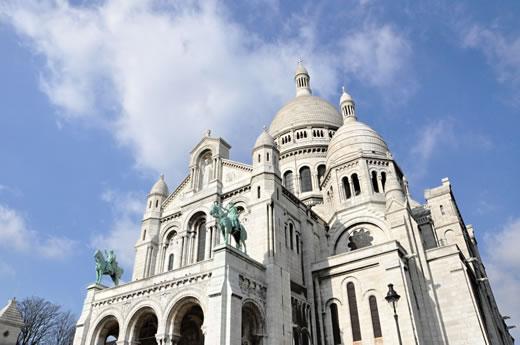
353, 137
303, 111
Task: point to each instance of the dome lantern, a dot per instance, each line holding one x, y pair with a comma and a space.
347, 106
302, 80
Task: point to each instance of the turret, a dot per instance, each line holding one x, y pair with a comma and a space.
147, 245
302, 80
347, 106
265, 155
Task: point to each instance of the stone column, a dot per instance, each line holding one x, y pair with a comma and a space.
177, 261
380, 183
207, 249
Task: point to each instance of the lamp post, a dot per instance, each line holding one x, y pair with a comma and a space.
392, 297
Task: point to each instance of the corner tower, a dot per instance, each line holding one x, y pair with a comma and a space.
147, 245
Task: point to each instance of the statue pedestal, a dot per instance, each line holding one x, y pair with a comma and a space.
96, 287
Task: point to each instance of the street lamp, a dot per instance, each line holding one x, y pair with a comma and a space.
392, 297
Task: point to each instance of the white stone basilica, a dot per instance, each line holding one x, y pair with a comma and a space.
330, 225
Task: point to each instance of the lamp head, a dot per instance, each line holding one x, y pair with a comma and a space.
392, 296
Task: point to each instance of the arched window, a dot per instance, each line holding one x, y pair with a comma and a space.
205, 168
150, 204
267, 157
346, 187
291, 233
288, 181
321, 173
144, 234
374, 313
156, 203
383, 180
200, 228
305, 180
335, 323
354, 316
297, 244
258, 192
374, 182
259, 158
170, 262
355, 183
286, 242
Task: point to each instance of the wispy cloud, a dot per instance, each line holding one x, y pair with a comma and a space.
127, 210
379, 55
157, 79
503, 267
443, 134
16, 235
501, 51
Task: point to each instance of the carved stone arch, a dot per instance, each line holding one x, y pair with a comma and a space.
340, 225
135, 316
252, 323
167, 227
189, 216
186, 319
333, 300
104, 324
449, 237
195, 157
369, 292
351, 279
357, 236
181, 294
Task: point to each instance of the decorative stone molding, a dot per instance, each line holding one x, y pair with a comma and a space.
251, 287
153, 289
238, 165
176, 191
234, 192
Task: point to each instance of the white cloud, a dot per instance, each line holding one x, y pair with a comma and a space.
158, 75
431, 137
16, 235
127, 209
502, 53
503, 268
380, 56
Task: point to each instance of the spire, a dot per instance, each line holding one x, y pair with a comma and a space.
347, 105
302, 80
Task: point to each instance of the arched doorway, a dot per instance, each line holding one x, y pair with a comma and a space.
191, 333
252, 324
107, 332
144, 327
185, 322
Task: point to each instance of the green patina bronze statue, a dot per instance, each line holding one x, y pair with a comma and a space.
107, 266
228, 223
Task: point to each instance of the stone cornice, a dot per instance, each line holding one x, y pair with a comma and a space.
176, 191
152, 289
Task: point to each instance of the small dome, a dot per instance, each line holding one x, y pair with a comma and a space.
352, 137
160, 187
264, 139
305, 111
300, 69
345, 97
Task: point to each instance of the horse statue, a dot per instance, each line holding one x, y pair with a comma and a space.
228, 223
107, 266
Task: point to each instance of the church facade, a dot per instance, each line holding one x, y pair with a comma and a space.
337, 251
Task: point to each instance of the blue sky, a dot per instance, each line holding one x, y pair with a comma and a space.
98, 98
